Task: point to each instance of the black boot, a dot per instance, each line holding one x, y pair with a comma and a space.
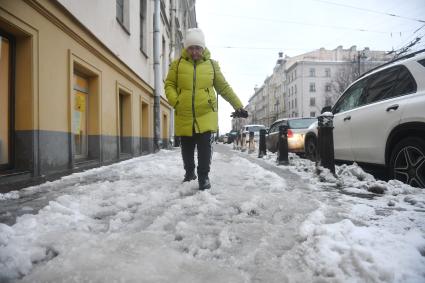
189, 177
204, 183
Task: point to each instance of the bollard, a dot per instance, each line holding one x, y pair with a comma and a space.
325, 141
240, 141
262, 150
243, 142
282, 155
251, 147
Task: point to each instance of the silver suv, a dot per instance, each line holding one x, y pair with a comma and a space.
380, 120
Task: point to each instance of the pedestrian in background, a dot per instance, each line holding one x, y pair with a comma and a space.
190, 87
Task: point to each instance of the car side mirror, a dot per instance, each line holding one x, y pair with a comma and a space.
326, 109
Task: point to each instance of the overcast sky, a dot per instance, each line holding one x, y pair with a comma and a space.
245, 36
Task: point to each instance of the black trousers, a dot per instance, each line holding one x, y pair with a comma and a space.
203, 143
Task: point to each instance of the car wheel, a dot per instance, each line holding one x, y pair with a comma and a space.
407, 162
311, 148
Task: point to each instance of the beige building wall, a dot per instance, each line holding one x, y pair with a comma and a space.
50, 45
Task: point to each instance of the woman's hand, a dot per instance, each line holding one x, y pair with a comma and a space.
240, 113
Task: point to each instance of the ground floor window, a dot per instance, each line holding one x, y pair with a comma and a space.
6, 101
80, 115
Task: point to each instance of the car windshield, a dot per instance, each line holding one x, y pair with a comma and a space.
301, 123
255, 128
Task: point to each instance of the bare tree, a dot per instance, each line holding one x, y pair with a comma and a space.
342, 79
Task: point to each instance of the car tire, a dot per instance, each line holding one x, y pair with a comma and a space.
310, 148
407, 162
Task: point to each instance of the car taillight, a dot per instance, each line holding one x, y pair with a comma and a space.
290, 134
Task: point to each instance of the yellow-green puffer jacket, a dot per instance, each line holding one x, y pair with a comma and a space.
190, 90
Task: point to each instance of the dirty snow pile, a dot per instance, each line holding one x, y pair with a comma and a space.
352, 179
135, 221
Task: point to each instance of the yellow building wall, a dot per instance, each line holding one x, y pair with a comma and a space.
59, 40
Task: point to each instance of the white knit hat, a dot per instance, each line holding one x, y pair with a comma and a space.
194, 36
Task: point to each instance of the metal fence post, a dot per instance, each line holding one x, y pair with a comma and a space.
243, 142
251, 147
326, 141
240, 141
262, 150
282, 158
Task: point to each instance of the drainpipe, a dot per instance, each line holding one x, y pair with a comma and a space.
157, 75
173, 30
171, 56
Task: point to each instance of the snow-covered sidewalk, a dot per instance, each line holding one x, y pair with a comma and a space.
136, 222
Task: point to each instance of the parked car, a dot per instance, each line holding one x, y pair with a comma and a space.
252, 128
380, 120
222, 138
297, 127
231, 136
225, 138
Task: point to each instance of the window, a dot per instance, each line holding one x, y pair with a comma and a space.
120, 11
143, 32
312, 72
327, 72
405, 83
312, 87
123, 14
380, 85
328, 101
302, 123
422, 62
351, 98
313, 114
80, 116
275, 127
312, 101
295, 88
389, 83
328, 87
6, 109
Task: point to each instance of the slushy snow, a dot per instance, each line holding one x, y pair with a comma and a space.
135, 221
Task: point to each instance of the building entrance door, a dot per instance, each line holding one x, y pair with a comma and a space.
80, 116
6, 102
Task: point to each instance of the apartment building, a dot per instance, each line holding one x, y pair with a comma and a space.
302, 85
77, 83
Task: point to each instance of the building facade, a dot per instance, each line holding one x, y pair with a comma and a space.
77, 83
301, 86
